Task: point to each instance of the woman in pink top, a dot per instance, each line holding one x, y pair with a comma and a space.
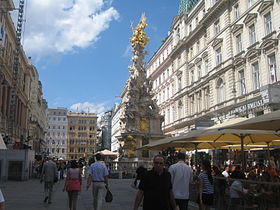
73, 184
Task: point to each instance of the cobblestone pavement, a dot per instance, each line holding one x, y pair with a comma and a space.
29, 195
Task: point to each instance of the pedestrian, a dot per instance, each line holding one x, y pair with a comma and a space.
206, 188
73, 184
2, 201
220, 185
140, 173
49, 176
98, 176
237, 190
225, 173
181, 177
156, 188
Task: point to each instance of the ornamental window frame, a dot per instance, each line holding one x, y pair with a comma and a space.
268, 27
256, 75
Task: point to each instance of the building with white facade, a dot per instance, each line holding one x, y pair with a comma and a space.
115, 128
57, 133
219, 61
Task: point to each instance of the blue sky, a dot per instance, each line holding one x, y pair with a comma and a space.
81, 47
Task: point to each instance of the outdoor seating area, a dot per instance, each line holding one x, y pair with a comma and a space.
243, 140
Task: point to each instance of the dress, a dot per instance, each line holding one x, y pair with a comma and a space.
73, 186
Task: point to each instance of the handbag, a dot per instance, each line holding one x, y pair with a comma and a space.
108, 196
55, 180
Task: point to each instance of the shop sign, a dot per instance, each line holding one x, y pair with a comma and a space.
247, 107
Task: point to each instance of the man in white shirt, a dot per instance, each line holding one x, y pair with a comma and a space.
225, 172
181, 177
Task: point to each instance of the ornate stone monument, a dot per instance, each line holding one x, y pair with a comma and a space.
140, 119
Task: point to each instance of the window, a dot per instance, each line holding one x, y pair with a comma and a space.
250, 3
179, 61
197, 46
238, 43
179, 83
192, 76
242, 88
236, 11
198, 71
272, 68
220, 91
206, 64
252, 34
218, 56
199, 101
192, 104
207, 97
180, 109
256, 75
268, 23
217, 27
167, 93
174, 113
191, 52
168, 116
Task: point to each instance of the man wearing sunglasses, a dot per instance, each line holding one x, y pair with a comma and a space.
156, 188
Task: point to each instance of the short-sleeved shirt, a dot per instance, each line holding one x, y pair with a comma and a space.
156, 190
181, 177
98, 171
207, 187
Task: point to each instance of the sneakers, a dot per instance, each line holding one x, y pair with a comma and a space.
46, 198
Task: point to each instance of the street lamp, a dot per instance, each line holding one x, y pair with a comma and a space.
243, 93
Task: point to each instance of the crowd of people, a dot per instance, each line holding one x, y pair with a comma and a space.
168, 187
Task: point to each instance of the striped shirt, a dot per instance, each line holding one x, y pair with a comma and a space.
207, 187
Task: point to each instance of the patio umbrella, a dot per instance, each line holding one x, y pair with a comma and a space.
238, 136
270, 121
106, 152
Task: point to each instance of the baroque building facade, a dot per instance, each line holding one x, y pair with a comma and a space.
219, 61
28, 122
105, 128
81, 132
57, 133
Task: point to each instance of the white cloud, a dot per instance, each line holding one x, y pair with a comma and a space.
89, 107
59, 26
